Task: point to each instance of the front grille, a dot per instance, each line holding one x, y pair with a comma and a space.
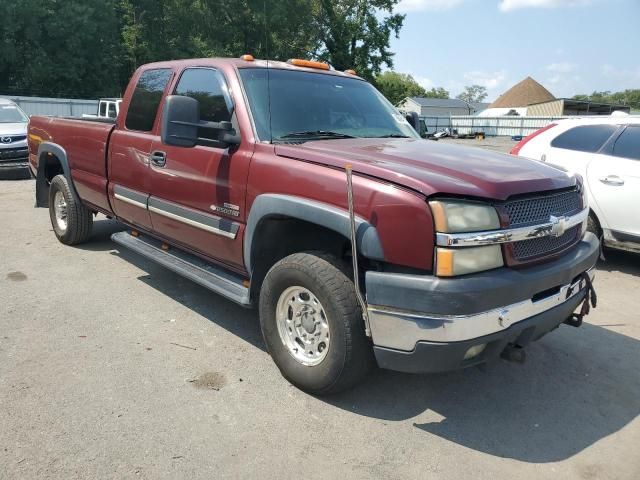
532, 211
537, 247
14, 154
537, 210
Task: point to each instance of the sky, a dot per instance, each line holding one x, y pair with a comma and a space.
569, 46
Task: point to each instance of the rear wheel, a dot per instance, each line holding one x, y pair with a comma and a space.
71, 220
312, 323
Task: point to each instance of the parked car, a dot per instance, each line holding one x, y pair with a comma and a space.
14, 155
108, 109
303, 191
605, 151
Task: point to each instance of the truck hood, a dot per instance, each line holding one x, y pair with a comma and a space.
433, 168
13, 129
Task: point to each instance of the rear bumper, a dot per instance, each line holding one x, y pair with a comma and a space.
487, 310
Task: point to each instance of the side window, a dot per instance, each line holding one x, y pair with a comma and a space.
209, 88
586, 138
146, 99
112, 110
103, 109
628, 143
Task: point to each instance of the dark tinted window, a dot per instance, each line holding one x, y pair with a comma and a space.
209, 88
103, 109
146, 99
112, 110
628, 143
586, 138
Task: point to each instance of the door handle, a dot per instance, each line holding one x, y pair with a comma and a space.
159, 158
614, 180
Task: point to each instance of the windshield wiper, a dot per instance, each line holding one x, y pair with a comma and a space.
392, 135
316, 134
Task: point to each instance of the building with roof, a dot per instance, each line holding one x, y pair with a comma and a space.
530, 98
439, 107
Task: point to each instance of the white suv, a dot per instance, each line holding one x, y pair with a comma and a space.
606, 152
14, 156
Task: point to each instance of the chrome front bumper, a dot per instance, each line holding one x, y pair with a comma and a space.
401, 330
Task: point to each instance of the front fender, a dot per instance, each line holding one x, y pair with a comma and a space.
319, 213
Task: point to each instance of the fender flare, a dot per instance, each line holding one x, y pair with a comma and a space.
319, 213
41, 187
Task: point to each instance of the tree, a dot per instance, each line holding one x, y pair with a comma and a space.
54, 48
354, 34
473, 94
397, 86
437, 93
629, 97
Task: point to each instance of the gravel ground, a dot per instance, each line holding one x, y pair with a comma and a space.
112, 367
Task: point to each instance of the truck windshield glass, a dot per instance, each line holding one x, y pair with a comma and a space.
12, 114
313, 106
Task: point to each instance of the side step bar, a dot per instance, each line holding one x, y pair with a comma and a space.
189, 266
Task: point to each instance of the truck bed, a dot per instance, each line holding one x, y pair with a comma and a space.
85, 141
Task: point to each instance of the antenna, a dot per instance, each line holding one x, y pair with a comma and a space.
266, 50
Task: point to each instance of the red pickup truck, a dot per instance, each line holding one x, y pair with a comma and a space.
301, 190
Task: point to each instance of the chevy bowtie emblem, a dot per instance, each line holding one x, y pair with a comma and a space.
6, 139
558, 225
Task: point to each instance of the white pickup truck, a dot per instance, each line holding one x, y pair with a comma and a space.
108, 108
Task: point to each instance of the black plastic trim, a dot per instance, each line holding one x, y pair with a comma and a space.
479, 292
325, 215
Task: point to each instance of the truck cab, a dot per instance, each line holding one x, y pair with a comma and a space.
302, 191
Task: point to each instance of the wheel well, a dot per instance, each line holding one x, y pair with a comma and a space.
48, 167
281, 236
595, 218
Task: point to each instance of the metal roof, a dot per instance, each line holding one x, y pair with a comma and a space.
440, 102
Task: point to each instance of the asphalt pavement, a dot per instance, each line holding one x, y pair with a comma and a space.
113, 367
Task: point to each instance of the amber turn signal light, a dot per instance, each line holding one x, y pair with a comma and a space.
247, 58
298, 62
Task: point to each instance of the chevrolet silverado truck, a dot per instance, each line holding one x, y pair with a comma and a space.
300, 190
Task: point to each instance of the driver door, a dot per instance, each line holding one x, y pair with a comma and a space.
198, 194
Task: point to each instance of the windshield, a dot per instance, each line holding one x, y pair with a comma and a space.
12, 114
313, 106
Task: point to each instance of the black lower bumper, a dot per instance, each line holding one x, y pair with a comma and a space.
439, 357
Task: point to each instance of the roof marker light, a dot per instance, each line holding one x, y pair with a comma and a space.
247, 58
298, 62
351, 72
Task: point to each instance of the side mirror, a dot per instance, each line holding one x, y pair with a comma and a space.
181, 123
180, 118
414, 120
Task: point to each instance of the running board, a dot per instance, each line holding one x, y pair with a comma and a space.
189, 266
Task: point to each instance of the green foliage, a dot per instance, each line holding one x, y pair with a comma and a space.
397, 86
89, 48
628, 97
355, 33
473, 93
59, 47
437, 93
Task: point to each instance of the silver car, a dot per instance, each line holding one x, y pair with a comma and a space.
14, 155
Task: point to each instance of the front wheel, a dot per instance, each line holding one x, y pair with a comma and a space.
312, 324
71, 220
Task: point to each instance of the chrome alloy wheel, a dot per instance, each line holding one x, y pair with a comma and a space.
302, 325
60, 209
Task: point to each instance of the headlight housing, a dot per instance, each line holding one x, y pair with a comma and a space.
456, 216
452, 216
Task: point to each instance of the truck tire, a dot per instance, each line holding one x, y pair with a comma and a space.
71, 220
312, 324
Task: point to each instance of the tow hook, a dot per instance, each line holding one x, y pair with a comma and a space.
514, 353
590, 300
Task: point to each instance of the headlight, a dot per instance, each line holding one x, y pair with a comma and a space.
461, 261
453, 216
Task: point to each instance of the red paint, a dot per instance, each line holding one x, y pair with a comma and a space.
393, 177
